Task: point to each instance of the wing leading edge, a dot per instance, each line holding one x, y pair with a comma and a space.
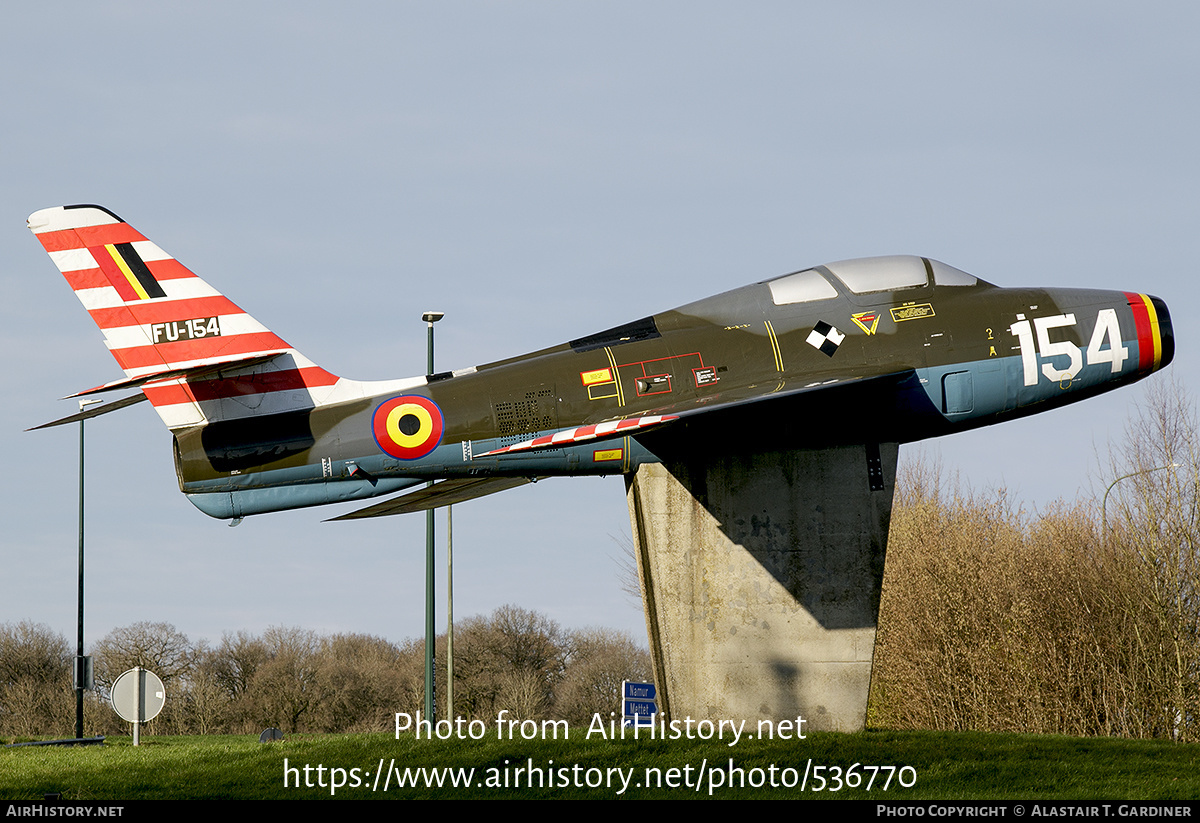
656, 429
660, 418
445, 493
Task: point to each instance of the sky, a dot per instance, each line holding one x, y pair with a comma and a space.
540, 171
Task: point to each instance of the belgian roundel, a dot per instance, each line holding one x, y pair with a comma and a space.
408, 427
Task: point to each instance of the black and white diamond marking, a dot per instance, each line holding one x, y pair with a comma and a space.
825, 338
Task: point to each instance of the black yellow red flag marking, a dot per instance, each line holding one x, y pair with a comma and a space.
126, 272
1149, 336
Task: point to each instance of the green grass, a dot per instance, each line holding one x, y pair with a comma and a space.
948, 766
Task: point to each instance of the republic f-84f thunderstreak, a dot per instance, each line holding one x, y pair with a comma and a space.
868, 351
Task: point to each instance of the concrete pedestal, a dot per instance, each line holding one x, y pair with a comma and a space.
761, 578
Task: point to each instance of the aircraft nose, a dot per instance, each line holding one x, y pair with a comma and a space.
1156, 337
1165, 331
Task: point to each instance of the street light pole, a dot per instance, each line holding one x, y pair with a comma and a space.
430, 317
80, 680
450, 715
1104, 505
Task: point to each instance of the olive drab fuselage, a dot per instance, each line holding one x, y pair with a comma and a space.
904, 365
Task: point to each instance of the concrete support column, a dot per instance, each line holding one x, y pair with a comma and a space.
761, 576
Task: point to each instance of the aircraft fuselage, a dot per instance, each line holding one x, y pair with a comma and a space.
877, 350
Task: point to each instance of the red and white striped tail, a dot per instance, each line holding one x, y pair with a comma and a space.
158, 317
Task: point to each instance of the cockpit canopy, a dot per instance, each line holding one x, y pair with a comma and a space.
866, 275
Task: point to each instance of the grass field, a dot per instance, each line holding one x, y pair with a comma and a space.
946, 766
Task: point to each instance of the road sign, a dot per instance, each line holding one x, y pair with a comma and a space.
637, 703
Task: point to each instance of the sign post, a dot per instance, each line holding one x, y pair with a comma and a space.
138, 696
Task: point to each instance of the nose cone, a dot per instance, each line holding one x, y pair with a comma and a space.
1155, 337
1165, 333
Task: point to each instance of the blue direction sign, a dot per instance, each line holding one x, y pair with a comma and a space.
637, 703
637, 691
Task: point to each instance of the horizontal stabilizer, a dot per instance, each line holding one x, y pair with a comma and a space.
206, 369
445, 493
93, 411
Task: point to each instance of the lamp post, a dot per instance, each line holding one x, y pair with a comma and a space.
1104, 537
450, 715
430, 317
80, 667
1104, 505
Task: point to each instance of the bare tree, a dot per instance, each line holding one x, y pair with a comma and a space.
600, 661
235, 662
35, 681
159, 647
284, 689
502, 659
627, 569
162, 649
513, 659
1083, 619
362, 681
992, 618
1153, 517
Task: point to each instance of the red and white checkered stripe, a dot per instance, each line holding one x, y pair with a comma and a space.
78, 238
581, 434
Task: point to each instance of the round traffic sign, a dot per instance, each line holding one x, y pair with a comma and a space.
138, 695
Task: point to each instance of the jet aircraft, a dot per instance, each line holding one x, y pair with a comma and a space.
867, 351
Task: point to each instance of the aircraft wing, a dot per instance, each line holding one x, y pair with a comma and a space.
445, 493
715, 412
659, 417
582, 434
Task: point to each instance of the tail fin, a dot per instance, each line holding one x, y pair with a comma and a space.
196, 355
